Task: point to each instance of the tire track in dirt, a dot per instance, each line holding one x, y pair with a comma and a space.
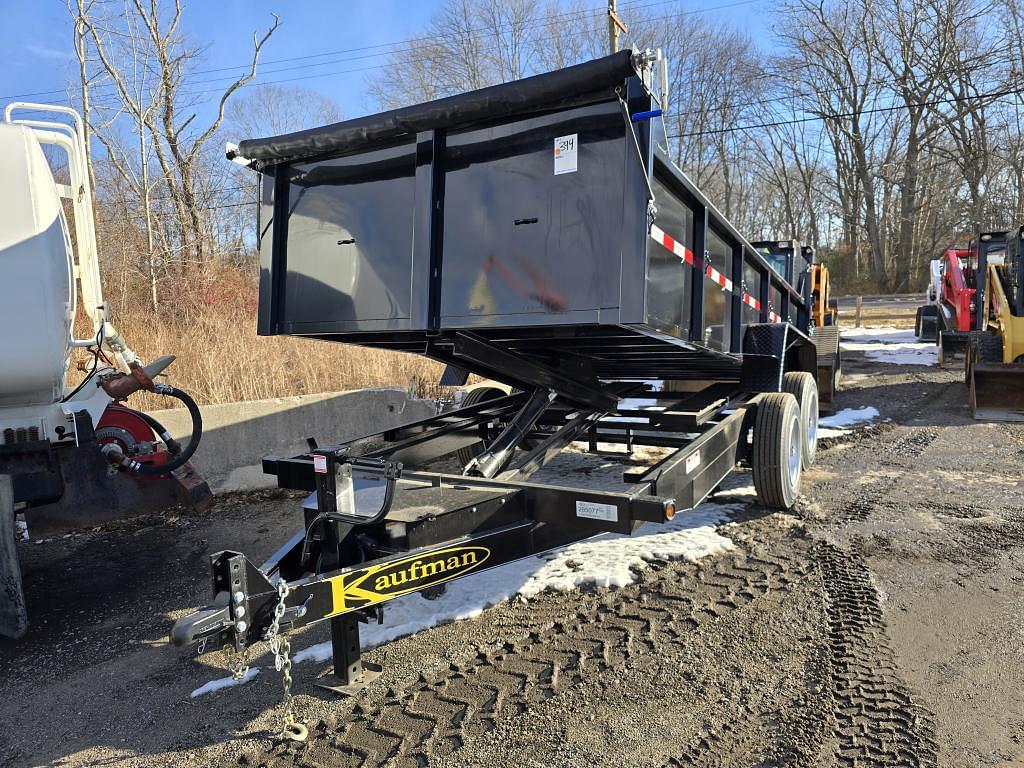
877, 720
863, 716
435, 716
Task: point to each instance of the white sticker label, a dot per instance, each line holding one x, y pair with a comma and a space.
320, 463
692, 461
596, 511
565, 154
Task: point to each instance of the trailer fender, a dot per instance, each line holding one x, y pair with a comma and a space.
771, 349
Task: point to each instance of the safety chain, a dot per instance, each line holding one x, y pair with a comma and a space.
292, 730
238, 663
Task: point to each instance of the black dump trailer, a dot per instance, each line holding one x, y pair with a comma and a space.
536, 233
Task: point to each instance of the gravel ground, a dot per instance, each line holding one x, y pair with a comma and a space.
879, 624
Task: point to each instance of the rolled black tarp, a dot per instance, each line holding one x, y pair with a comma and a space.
552, 90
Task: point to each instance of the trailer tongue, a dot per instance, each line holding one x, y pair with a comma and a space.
535, 233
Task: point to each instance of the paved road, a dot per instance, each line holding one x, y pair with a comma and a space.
891, 303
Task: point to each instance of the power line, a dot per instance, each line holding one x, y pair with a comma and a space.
794, 121
162, 214
390, 47
994, 95
832, 89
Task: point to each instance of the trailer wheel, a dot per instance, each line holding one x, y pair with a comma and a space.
467, 453
775, 459
804, 388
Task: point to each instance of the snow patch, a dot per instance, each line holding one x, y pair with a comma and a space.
607, 560
886, 334
894, 346
837, 424
224, 682
849, 416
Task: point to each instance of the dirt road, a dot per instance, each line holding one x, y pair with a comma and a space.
878, 625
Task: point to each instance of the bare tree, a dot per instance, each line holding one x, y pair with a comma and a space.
163, 55
833, 60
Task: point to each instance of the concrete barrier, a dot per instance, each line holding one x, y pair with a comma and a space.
236, 436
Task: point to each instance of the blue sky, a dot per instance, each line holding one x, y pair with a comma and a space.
36, 36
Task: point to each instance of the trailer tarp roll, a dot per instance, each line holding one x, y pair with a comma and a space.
548, 91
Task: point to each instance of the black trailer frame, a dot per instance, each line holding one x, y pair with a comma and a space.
575, 373
343, 566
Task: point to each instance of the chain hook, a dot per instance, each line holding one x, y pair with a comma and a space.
291, 730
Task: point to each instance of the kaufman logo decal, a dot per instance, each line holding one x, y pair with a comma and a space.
383, 582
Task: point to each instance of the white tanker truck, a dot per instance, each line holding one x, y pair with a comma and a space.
69, 456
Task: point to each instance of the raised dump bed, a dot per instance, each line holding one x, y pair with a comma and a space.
541, 218
536, 233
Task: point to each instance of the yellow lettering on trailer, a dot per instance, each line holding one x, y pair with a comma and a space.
379, 583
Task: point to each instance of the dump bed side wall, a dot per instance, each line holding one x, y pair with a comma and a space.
529, 239
482, 227
485, 227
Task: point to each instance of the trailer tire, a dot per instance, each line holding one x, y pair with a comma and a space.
804, 388
467, 453
775, 458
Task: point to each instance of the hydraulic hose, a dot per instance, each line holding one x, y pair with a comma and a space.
173, 446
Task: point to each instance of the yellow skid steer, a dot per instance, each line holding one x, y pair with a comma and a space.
995, 360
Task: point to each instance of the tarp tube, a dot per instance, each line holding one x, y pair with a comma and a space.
548, 91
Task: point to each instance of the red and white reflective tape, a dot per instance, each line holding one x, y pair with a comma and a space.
719, 278
773, 318
667, 241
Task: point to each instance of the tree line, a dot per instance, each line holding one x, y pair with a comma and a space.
878, 131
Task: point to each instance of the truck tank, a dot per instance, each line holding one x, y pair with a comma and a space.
37, 299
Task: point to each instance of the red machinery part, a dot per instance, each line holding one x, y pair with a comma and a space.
127, 429
957, 295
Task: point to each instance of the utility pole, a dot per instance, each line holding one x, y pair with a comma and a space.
615, 26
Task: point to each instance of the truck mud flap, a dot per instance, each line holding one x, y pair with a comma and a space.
952, 349
13, 613
826, 343
997, 392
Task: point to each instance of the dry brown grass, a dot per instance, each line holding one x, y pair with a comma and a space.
220, 359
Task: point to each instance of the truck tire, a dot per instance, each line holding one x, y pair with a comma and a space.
467, 453
775, 458
804, 388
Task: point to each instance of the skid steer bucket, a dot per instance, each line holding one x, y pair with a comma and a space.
997, 391
952, 349
926, 324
